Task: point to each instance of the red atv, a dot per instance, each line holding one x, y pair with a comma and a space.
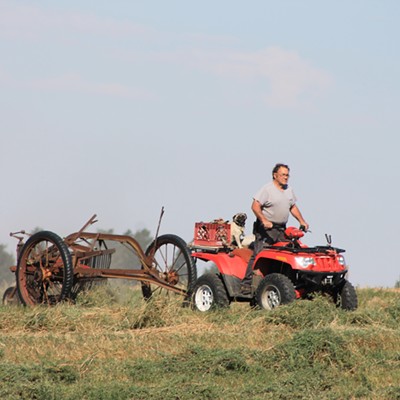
282, 272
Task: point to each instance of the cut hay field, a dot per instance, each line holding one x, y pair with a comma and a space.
113, 345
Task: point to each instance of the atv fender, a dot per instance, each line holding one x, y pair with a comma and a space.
227, 263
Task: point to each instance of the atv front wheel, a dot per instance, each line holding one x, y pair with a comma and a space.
346, 297
209, 293
274, 290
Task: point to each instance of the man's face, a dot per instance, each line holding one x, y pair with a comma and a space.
282, 176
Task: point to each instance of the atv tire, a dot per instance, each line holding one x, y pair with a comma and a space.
346, 297
209, 293
274, 290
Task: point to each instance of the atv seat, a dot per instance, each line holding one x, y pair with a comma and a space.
243, 253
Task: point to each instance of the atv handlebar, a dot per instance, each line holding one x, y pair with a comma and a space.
282, 227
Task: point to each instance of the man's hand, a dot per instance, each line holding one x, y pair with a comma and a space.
297, 214
267, 224
256, 207
304, 225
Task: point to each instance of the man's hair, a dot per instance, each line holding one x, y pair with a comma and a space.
277, 166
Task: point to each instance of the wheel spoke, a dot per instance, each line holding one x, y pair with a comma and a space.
181, 266
164, 256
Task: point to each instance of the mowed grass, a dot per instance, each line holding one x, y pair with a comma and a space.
113, 345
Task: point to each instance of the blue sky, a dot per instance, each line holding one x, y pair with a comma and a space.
119, 108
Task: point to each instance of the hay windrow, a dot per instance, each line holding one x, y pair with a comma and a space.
130, 348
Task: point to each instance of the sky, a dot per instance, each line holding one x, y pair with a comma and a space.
121, 108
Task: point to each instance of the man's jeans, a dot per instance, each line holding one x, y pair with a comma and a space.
263, 237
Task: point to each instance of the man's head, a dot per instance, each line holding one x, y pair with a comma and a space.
280, 174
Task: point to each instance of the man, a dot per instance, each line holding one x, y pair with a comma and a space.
271, 206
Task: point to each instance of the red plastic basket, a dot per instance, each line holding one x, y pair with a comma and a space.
212, 234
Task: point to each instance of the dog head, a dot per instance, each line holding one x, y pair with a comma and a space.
239, 219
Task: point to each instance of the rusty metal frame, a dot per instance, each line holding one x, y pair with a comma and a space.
148, 273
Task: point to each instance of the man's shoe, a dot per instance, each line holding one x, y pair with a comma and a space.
245, 290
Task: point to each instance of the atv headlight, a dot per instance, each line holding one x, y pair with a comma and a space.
341, 260
305, 262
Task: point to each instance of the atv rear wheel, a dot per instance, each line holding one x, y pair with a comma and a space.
209, 293
274, 290
346, 297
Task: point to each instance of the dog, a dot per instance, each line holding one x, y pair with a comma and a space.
237, 229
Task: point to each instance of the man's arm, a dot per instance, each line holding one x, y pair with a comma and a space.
257, 210
297, 214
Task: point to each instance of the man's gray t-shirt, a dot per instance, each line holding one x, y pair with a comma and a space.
276, 204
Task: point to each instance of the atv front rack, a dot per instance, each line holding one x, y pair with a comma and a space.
316, 249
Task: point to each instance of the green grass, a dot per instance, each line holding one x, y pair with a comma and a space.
113, 345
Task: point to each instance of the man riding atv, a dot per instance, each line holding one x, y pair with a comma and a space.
271, 206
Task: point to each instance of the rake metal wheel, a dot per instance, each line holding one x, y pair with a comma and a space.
174, 264
10, 296
44, 272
